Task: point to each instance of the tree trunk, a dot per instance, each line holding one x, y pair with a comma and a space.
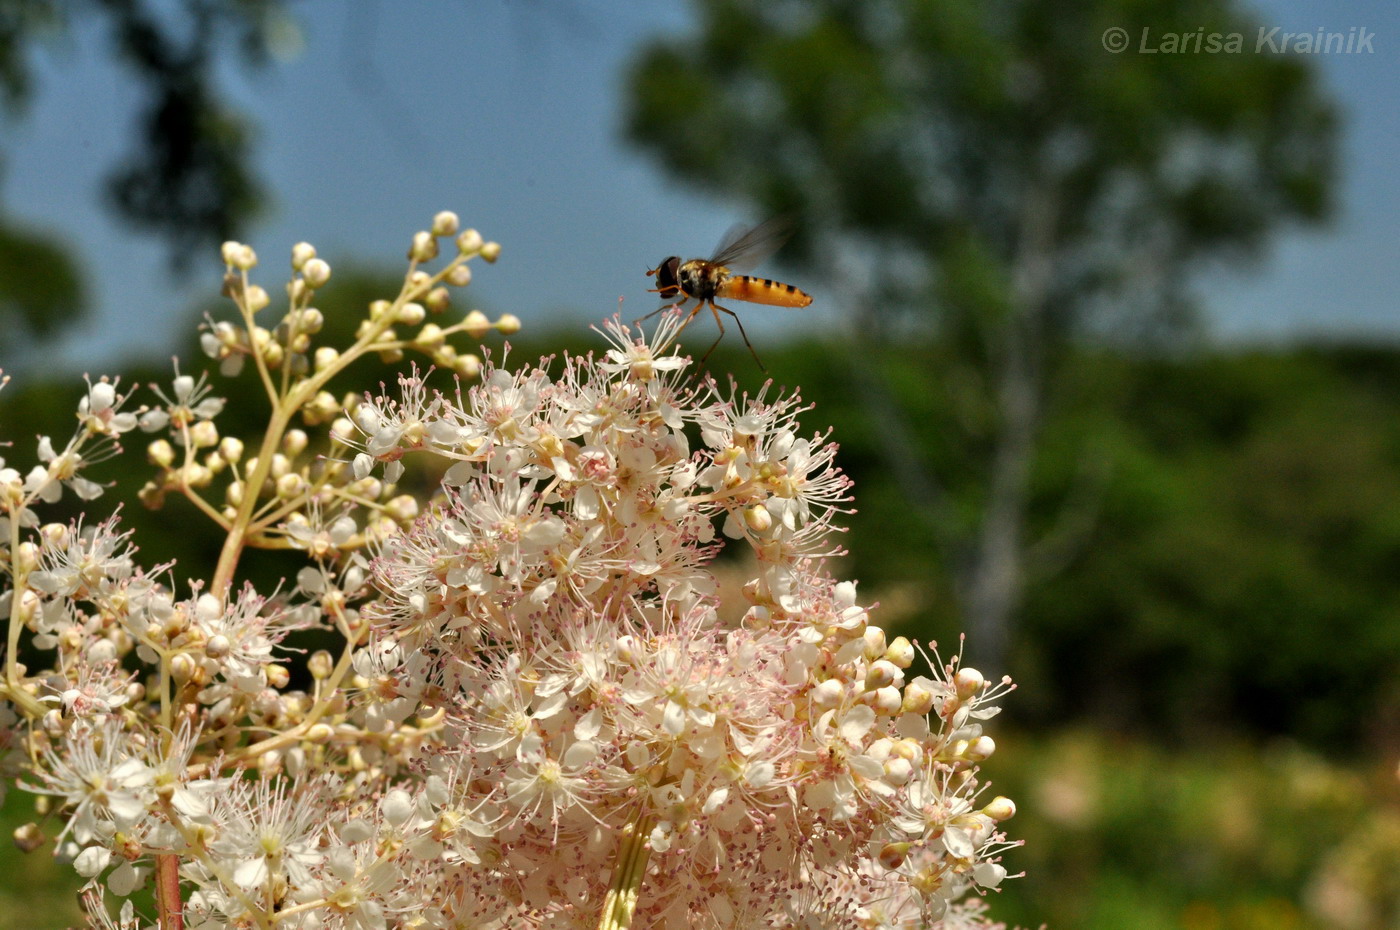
995, 571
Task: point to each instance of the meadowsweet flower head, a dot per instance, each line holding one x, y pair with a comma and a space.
543, 710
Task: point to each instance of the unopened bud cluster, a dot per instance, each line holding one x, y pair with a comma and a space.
535, 715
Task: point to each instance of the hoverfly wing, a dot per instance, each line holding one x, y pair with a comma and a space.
744, 247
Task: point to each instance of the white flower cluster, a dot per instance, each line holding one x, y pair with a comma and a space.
545, 714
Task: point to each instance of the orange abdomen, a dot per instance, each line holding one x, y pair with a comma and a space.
763, 291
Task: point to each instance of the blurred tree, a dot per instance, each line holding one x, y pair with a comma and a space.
188, 179
992, 175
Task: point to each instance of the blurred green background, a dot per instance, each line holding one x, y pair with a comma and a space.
1185, 549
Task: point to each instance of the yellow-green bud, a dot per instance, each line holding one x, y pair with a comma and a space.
316, 272
438, 299
468, 366
204, 434
1000, 808
231, 448
968, 682
445, 224
311, 320
302, 253
402, 508
424, 248
469, 241
758, 518
256, 298
160, 453
901, 652
476, 324
429, 336
294, 442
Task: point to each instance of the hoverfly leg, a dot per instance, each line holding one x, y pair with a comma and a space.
640, 320
717, 309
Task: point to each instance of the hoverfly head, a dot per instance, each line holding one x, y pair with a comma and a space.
667, 284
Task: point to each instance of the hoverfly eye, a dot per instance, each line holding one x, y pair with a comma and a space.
666, 281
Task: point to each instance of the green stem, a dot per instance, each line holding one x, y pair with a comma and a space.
629, 871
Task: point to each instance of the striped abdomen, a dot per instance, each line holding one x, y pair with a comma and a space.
763, 291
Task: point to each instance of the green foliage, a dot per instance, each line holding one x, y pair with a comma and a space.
1120, 833
40, 288
1233, 567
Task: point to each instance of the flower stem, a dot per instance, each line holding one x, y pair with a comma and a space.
628, 873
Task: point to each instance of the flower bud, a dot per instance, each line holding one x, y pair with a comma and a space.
892, 855
508, 324
918, 698
429, 337
255, 298
888, 701
758, 518
424, 248
980, 749
160, 453
217, 646
445, 223
901, 652
402, 508
1000, 808
411, 314
438, 300
469, 241
476, 324
321, 664
898, 771
326, 357
316, 273
874, 642
968, 682
311, 320
290, 485
294, 442
302, 253
277, 675
343, 430
828, 693
468, 366
491, 251
204, 434
181, 667
459, 276
882, 673
28, 837
231, 448
26, 558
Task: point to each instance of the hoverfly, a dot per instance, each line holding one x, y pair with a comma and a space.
705, 280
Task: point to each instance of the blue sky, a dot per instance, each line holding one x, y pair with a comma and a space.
508, 112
